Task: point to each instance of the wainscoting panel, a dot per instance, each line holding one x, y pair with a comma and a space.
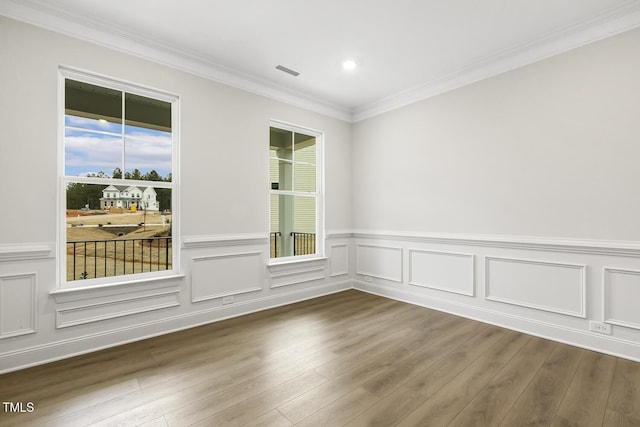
126, 306
621, 297
339, 255
17, 305
549, 286
383, 262
222, 275
294, 273
445, 271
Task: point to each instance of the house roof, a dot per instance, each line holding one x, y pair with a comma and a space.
126, 187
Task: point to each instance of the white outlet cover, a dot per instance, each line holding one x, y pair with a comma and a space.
600, 327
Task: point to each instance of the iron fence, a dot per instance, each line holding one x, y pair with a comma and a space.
303, 243
88, 259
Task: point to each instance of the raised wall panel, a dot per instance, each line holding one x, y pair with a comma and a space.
17, 305
294, 273
84, 313
621, 297
549, 286
229, 274
383, 262
339, 260
445, 271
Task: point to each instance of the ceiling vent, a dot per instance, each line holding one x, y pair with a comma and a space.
288, 70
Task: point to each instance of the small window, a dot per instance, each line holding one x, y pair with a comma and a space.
116, 134
295, 193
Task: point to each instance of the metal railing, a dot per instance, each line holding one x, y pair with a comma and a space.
89, 259
275, 243
303, 243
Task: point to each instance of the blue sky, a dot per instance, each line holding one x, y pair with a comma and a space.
92, 146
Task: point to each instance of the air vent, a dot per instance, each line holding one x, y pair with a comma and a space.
288, 70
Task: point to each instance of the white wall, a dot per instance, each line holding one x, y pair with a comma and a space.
547, 150
224, 205
510, 200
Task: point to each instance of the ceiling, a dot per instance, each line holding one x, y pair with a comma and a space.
406, 50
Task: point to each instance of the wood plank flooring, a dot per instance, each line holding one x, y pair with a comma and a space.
345, 359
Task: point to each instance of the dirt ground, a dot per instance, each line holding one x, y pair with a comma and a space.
109, 259
87, 227
88, 218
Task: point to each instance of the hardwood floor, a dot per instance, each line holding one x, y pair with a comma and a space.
345, 359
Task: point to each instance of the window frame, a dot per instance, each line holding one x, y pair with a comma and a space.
65, 73
319, 193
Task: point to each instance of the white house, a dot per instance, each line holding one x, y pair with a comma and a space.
117, 196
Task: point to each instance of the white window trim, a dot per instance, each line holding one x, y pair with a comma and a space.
320, 211
64, 73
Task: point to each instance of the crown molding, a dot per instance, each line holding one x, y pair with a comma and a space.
96, 32
613, 22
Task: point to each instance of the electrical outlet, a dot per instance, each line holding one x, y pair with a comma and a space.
227, 300
599, 327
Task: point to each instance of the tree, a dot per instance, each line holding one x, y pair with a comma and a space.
152, 176
133, 175
79, 195
117, 173
163, 196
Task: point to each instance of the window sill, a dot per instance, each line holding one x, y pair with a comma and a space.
72, 293
295, 262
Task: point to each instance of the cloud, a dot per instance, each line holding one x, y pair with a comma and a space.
90, 151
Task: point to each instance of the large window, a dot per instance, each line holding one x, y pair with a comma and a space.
295, 191
118, 186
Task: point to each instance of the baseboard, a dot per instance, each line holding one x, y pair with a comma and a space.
62, 349
579, 338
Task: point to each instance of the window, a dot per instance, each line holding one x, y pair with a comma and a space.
118, 139
295, 191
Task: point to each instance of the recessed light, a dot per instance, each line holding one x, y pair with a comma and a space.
349, 64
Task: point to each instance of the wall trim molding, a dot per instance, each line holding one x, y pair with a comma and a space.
472, 278
363, 272
333, 273
583, 284
32, 328
339, 234
173, 300
64, 295
27, 251
218, 240
609, 23
49, 352
606, 290
582, 338
296, 276
296, 272
195, 260
546, 244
